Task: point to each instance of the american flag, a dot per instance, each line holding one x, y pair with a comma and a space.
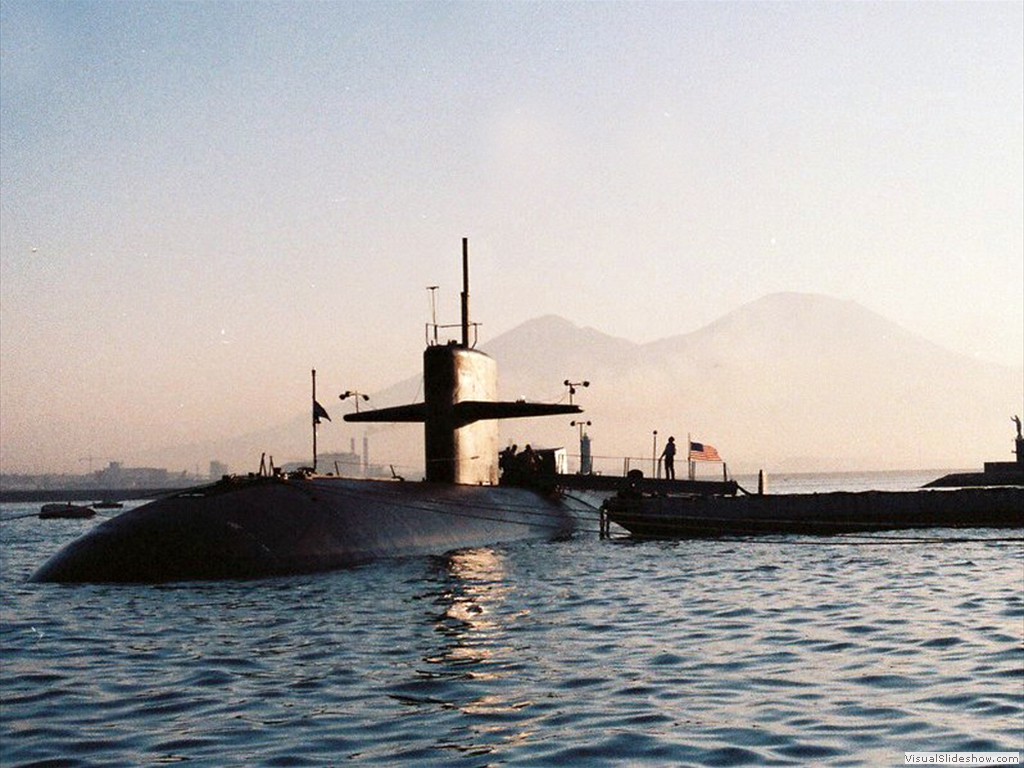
703, 452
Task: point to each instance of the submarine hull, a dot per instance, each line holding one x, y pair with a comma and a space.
258, 526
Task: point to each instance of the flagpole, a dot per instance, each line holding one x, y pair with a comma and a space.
654, 456
313, 411
689, 456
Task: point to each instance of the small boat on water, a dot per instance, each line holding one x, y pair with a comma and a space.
65, 511
647, 515
107, 504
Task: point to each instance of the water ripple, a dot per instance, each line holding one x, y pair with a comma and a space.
576, 652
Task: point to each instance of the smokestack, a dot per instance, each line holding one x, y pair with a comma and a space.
465, 292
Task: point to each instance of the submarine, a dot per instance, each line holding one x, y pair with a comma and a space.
277, 524
994, 473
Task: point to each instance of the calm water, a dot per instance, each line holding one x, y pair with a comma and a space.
786, 651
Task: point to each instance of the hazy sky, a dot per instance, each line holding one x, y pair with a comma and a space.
201, 201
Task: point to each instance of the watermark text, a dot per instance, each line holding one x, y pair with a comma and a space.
961, 758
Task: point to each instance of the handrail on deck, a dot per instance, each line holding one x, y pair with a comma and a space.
434, 342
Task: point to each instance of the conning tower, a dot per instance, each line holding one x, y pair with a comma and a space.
460, 408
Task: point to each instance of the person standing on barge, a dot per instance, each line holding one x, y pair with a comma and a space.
669, 457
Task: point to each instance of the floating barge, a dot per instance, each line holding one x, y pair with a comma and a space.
819, 514
648, 510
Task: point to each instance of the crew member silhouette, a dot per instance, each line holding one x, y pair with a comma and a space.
669, 456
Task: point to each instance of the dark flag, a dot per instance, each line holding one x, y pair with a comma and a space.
319, 412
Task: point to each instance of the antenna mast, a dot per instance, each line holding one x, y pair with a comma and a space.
316, 418
465, 292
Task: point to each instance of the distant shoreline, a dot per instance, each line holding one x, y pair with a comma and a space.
86, 494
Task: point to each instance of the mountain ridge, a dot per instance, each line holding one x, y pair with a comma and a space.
790, 381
